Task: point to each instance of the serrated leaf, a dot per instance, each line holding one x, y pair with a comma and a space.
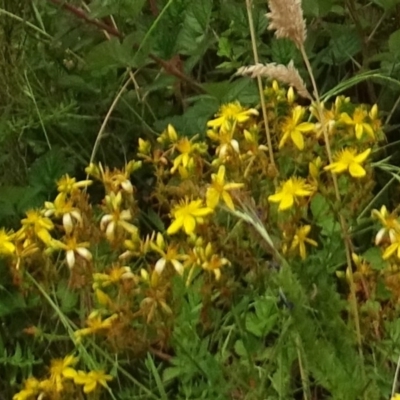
263, 320
283, 51
344, 44
68, 299
47, 169
194, 31
243, 90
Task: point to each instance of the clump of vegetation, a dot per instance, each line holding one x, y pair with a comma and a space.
255, 258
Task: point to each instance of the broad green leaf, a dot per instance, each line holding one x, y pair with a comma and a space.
195, 27
374, 257
109, 54
344, 44
320, 207
243, 90
316, 8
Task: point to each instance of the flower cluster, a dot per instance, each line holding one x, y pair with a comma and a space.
126, 250
63, 378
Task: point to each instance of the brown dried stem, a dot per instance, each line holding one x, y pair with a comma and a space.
167, 66
249, 6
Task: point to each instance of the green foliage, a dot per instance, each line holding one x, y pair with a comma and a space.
128, 69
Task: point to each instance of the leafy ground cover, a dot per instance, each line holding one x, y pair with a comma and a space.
199, 200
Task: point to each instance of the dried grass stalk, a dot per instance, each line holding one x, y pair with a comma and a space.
286, 17
285, 74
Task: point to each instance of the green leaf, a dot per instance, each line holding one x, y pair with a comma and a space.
109, 54
68, 299
47, 169
283, 51
243, 90
263, 320
10, 303
374, 257
195, 27
344, 44
320, 208
394, 43
316, 8
224, 48
171, 373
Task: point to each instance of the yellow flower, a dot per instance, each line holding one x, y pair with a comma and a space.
62, 208
290, 190
314, 168
91, 380
95, 324
115, 275
69, 185
31, 389
116, 217
358, 122
293, 128
187, 214
394, 247
169, 135
389, 221
117, 179
348, 159
144, 147
7, 247
38, 224
169, 255
219, 189
186, 148
230, 114
362, 267
72, 248
212, 262
61, 369
396, 397
300, 239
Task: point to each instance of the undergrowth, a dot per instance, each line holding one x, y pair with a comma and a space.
254, 257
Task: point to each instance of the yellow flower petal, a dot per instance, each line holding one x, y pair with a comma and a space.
356, 170
189, 224
287, 202
298, 139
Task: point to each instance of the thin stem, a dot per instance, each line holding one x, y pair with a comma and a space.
303, 373
396, 376
30, 94
249, 7
342, 221
28, 24
393, 109
378, 24
105, 121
